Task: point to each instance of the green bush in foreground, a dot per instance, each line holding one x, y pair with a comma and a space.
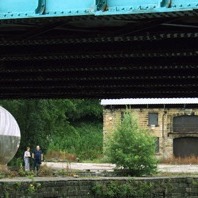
132, 148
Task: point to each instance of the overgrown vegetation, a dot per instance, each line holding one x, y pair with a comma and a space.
69, 126
132, 148
118, 189
134, 188
84, 142
14, 189
44, 171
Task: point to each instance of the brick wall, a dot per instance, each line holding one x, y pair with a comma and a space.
164, 131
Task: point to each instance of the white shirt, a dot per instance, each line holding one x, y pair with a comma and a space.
27, 154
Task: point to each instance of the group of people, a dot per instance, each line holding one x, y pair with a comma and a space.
36, 155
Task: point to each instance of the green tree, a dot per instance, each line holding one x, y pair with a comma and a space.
132, 148
83, 134
84, 110
37, 119
63, 123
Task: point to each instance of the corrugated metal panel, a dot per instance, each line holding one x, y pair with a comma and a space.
144, 101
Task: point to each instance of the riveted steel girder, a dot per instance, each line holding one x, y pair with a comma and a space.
18, 9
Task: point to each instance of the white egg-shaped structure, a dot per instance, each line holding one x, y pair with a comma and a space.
9, 136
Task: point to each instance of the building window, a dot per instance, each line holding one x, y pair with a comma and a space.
157, 145
153, 119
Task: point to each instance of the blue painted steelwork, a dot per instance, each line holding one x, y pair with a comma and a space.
14, 9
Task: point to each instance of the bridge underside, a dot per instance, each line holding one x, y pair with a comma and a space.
125, 56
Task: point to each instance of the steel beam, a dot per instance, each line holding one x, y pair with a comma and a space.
16, 9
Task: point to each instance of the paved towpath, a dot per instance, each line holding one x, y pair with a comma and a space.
178, 168
96, 167
109, 167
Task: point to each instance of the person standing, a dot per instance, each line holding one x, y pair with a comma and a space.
27, 159
38, 157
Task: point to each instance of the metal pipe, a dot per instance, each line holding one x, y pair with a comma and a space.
163, 132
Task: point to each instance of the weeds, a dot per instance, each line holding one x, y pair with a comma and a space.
85, 142
60, 156
180, 160
45, 171
116, 189
5, 172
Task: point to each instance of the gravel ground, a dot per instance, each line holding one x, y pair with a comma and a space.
109, 167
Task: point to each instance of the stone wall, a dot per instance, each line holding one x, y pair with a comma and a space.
164, 187
164, 130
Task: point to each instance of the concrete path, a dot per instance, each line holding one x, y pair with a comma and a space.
94, 167
178, 168
81, 166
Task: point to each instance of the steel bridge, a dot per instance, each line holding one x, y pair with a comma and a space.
98, 48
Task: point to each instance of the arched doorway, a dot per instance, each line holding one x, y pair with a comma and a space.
185, 147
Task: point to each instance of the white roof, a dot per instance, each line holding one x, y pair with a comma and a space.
145, 101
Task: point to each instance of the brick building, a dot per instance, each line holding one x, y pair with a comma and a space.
173, 121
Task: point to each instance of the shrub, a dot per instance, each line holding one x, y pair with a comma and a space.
132, 148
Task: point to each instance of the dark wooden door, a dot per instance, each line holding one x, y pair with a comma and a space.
185, 147
185, 124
